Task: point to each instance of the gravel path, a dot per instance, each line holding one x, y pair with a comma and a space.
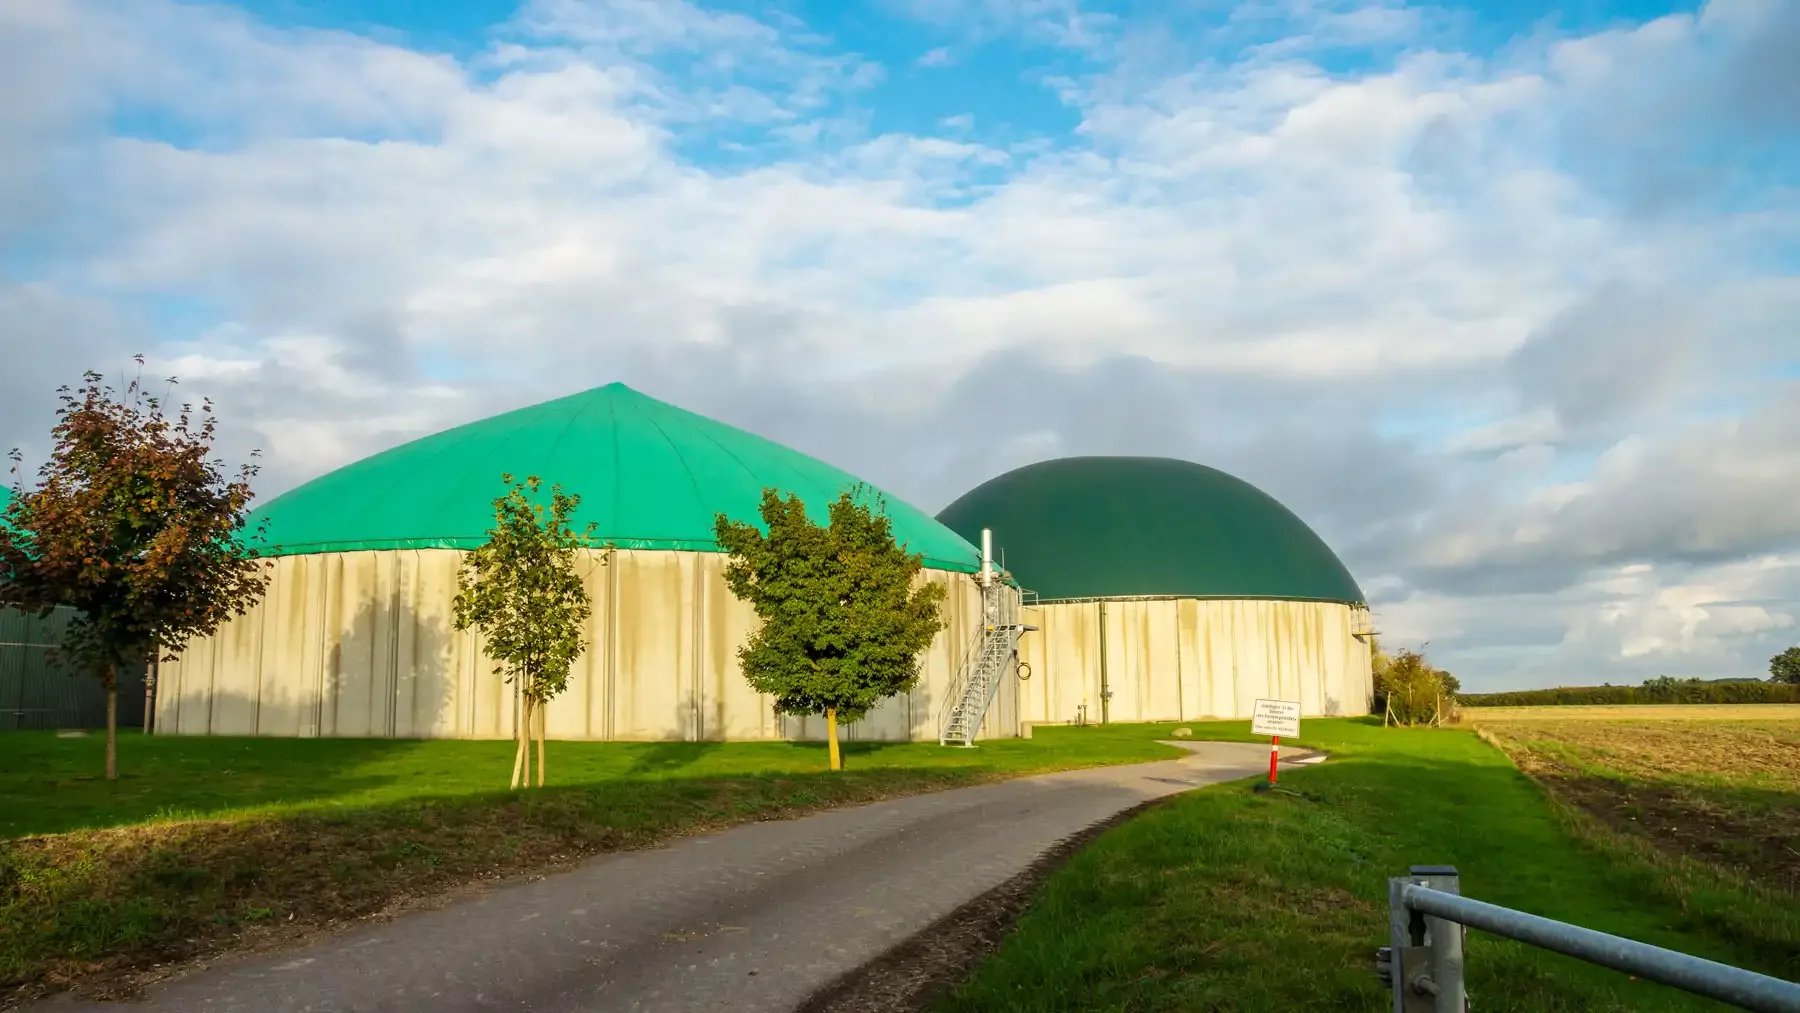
755, 918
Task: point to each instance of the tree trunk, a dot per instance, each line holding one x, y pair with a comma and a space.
112, 723
531, 708
522, 740
837, 759
543, 722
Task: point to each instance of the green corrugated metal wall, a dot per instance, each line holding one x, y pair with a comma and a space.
37, 691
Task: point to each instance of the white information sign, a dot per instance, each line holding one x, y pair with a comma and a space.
1276, 717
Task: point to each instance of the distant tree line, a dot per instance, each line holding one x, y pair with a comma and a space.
1783, 687
1662, 689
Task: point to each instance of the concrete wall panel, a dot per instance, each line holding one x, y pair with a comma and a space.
1064, 654
364, 644
1188, 659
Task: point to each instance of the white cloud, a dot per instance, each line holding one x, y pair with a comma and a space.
1713, 489
1248, 261
939, 57
1696, 619
1529, 429
1060, 23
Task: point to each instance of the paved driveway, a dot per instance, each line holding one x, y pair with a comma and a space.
753, 918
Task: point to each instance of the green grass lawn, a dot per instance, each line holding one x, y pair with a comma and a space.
208, 843
1227, 900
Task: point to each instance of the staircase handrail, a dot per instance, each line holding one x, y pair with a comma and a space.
1002, 626
954, 692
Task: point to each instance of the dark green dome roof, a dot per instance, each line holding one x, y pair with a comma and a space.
650, 476
1119, 527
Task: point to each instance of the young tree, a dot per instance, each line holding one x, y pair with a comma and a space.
136, 527
1785, 667
522, 590
844, 616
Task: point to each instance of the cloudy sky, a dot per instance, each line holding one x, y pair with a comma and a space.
1504, 300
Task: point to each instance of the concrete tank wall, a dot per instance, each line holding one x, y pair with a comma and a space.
363, 644
1189, 659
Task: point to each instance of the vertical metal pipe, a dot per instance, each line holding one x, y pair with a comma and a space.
1105, 689
153, 670
987, 557
1447, 964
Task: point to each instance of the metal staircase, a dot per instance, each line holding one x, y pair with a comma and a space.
985, 665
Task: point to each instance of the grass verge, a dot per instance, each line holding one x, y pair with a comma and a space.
207, 845
1227, 900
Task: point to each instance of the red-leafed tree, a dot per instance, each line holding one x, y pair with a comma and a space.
134, 525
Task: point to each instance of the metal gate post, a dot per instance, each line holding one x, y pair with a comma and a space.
1446, 941
1424, 958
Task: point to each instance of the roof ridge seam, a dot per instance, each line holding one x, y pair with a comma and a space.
687, 469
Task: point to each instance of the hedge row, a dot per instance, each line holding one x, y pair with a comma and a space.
1680, 692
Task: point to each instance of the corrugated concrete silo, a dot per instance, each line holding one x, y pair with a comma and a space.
1168, 590
355, 635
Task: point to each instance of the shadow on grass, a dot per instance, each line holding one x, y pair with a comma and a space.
387, 675
51, 784
662, 758
859, 754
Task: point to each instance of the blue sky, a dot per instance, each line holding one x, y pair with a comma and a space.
885, 32
1500, 298
936, 68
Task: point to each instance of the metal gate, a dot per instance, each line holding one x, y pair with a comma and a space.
40, 691
1423, 961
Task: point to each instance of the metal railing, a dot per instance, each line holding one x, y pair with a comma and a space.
1423, 961
960, 681
983, 669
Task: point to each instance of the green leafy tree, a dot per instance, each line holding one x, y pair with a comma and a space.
1452, 685
1408, 691
844, 615
521, 589
1378, 658
135, 526
1785, 667
1668, 689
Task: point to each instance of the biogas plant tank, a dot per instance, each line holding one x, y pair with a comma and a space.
1168, 590
355, 635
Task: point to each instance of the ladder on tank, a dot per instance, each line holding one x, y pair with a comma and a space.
990, 658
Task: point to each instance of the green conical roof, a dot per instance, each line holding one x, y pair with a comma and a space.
1119, 527
650, 476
